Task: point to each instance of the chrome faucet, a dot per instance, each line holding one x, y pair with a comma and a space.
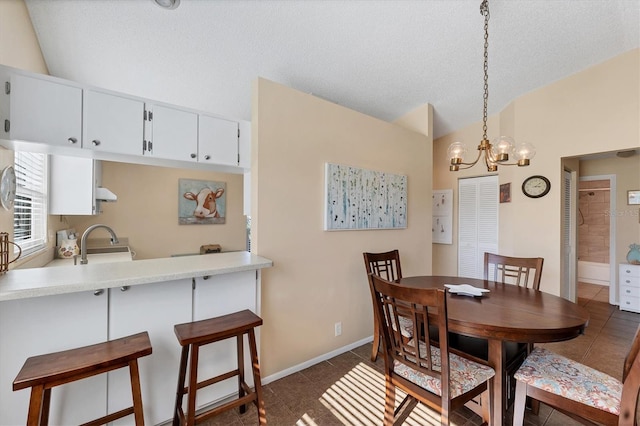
83, 240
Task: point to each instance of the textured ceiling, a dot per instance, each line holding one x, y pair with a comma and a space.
382, 58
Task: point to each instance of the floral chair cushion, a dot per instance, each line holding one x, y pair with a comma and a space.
406, 326
464, 374
562, 376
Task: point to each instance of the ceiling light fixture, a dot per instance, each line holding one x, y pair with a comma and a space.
496, 153
167, 4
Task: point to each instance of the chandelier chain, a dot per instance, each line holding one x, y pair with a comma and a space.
484, 10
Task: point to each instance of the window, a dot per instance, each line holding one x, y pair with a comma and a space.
30, 206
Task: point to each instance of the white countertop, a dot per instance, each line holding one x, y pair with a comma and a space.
35, 282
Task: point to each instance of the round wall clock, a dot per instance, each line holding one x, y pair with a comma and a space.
536, 186
8, 187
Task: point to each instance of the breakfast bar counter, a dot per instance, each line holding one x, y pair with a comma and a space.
50, 309
35, 282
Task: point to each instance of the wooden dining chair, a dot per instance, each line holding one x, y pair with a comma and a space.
579, 391
520, 271
426, 373
387, 266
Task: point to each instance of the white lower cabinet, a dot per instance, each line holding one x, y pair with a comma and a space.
238, 291
154, 308
40, 325
629, 287
46, 324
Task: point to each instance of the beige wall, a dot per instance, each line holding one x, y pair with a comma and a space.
592, 111
147, 211
318, 277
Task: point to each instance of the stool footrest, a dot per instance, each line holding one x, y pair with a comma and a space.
252, 397
110, 417
213, 380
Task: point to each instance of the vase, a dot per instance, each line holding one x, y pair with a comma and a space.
633, 256
68, 248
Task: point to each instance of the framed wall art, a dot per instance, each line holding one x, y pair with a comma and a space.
505, 192
201, 202
633, 197
357, 198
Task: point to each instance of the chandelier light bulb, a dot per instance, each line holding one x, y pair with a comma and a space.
502, 147
524, 152
456, 152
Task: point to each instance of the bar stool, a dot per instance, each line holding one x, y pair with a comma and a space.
43, 372
193, 335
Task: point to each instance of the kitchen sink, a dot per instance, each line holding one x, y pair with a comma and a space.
102, 250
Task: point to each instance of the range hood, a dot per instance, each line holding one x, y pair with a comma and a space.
103, 194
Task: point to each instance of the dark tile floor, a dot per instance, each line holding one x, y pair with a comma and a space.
349, 389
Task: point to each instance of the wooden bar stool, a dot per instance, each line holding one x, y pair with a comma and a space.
43, 372
193, 335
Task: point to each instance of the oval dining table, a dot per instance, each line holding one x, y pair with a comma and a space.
506, 313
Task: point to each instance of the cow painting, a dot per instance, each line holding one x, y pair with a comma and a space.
205, 202
209, 202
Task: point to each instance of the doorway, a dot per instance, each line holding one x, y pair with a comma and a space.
596, 232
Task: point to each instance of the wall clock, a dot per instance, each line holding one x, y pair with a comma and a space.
536, 186
8, 187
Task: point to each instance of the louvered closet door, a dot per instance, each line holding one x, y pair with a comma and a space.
477, 223
568, 266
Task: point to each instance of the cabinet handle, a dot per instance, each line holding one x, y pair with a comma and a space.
206, 277
95, 142
628, 281
193, 156
124, 288
628, 271
98, 292
628, 291
207, 157
72, 140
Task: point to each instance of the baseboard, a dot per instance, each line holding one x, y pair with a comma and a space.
313, 361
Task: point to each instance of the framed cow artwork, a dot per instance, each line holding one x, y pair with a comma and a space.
201, 202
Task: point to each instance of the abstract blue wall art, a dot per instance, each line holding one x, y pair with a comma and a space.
363, 199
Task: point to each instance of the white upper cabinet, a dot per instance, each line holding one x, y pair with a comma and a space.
171, 133
71, 185
113, 123
47, 114
217, 141
43, 111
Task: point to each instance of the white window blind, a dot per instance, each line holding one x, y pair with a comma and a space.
30, 206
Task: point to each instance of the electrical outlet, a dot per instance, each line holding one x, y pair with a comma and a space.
338, 328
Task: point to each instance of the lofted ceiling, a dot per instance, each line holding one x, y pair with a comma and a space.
380, 57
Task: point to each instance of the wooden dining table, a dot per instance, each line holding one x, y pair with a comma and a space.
506, 313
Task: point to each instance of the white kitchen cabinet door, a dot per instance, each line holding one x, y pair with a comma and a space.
174, 133
212, 297
217, 141
112, 123
48, 324
156, 309
45, 111
72, 181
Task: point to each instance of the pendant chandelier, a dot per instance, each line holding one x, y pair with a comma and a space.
498, 152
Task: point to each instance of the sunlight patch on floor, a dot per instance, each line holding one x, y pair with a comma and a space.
357, 399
